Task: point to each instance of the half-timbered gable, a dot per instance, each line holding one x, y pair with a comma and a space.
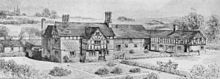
175, 41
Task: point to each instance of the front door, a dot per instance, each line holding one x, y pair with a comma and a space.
101, 55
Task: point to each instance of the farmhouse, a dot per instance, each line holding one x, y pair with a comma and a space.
88, 41
78, 41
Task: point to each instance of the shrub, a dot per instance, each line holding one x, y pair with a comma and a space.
129, 77
20, 71
131, 51
111, 64
102, 71
135, 70
58, 71
152, 76
116, 70
66, 59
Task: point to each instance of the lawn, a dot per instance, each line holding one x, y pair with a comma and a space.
45, 67
93, 67
187, 62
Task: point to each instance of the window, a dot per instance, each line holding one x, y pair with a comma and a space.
135, 45
97, 33
179, 48
118, 47
130, 40
56, 52
97, 42
126, 45
160, 45
72, 53
93, 53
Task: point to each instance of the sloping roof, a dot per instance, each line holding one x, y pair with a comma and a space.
129, 31
15, 43
69, 46
159, 33
90, 30
185, 34
174, 34
35, 42
78, 28
48, 31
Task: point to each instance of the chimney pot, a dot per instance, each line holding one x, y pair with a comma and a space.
65, 18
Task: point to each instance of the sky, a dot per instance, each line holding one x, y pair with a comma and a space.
129, 8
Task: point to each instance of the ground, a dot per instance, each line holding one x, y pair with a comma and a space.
82, 70
186, 63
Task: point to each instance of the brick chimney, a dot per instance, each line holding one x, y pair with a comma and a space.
108, 16
65, 18
175, 27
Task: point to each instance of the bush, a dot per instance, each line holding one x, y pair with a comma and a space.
58, 71
135, 70
20, 71
152, 76
129, 77
116, 70
111, 64
102, 71
131, 51
66, 59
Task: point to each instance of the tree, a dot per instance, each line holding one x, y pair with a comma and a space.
214, 27
46, 12
53, 14
31, 31
3, 31
193, 21
38, 14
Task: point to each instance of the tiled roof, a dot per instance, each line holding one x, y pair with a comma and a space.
36, 42
8, 43
174, 34
129, 31
69, 46
159, 33
78, 28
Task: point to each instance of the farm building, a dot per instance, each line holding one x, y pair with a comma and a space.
78, 41
88, 41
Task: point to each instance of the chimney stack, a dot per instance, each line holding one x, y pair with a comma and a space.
108, 16
65, 18
175, 27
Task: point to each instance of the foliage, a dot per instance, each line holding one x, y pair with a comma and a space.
131, 51
20, 71
47, 13
58, 71
66, 59
102, 71
111, 64
3, 31
129, 77
202, 72
152, 76
213, 27
116, 70
123, 18
193, 21
135, 70
30, 30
